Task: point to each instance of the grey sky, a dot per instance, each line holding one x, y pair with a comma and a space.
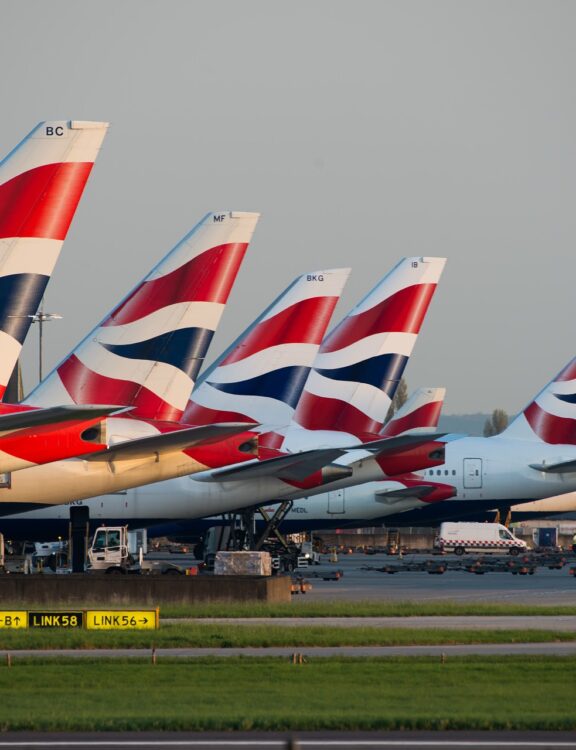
363, 131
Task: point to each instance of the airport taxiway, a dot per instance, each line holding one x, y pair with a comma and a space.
545, 587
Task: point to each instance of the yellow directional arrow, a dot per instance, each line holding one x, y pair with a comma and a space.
134, 619
13, 619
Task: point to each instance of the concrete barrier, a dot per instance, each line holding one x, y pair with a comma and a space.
56, 590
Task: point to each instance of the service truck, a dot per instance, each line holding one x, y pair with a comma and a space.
110, 552
461, 537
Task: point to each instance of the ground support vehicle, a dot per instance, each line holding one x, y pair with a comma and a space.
520, 565
110, 553
326, 575
462, 536
423, 566
239, 534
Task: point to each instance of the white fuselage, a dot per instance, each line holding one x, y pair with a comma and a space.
74, 479
479, 468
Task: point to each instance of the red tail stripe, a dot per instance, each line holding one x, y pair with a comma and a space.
201, 415
206, 278
403, 312
42, 201
88, 387
550, 428
270, 441
318, 413
304, 322
425, 416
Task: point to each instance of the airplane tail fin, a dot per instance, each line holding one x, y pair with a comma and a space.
148, 351
360, 363
420, 413
41, 183
551, 416
260, 376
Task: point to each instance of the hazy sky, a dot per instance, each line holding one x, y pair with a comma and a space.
363, 132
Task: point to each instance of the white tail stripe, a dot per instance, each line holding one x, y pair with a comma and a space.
167, 382
267, 360
233, 228
28, 255
549, 403
10, 349
366, 348
167, 319
371, 401
269, 411
561, 386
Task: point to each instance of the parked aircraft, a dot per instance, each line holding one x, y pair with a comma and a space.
41, 182
352, 505
145, 355
378, 333
535, 457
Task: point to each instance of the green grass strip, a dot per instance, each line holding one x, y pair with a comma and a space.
301, 606
199, 635
523, 693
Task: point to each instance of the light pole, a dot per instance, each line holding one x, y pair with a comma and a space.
40, 317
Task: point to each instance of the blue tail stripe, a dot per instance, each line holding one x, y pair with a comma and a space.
569, 398
20, 296
184, 349
283, 385
382, 372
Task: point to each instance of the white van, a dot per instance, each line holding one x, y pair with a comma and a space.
460, 537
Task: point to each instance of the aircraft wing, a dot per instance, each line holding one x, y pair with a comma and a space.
416, 491
395, 496
53, 415
293, 466
399, 443
564, 467
170, 441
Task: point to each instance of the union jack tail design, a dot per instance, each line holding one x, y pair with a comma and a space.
148, 351
551, 416
41, 183
260, 377
360, 363
419, 414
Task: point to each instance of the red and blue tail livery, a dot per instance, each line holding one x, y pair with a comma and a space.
420, 413
260, 377
147, 353
360, 363
41, 183
551, 416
